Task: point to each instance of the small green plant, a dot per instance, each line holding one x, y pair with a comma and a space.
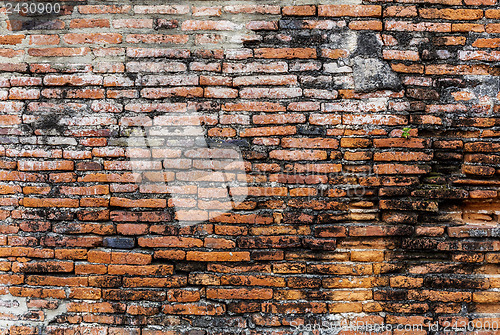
406, 132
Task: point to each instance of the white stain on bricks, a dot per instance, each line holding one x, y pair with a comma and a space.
14, 311
203, 178
199, 25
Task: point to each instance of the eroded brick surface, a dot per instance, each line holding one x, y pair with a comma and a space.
302, 163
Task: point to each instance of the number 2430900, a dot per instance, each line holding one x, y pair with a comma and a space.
32, 8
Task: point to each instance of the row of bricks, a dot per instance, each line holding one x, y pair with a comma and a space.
213, 309
230, 109
138, 228
254, 132
201, 173
256, 242
287, 53
279, 67
207, 175
352, 142
388, 39
280, 325
376, 179
144, 259
141, 219
106, 38
303, 10
266, 280
287, 142
307, 10
214, 38
393, 11
157, 183
219, 156
293, 81
17, 93
365, 268
218, 194
236, 113
275, 53
295, 262
254, 294
460, 251
189, 126
324, 79
263, 239
330, 71
93, 137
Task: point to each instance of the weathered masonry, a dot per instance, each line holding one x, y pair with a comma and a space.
250, 167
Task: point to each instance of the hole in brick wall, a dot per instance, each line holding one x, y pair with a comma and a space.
481, 212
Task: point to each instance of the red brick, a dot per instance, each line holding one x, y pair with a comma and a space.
236, 293
49, 202
170, 242
307, 10
217, 256
268, 131
294, 155
130, 258
208, 25
422, 26
492, 13
271, 93
193, 309
402, 11
132, 23
466, 27
451, 14
24, 93
89, 23
104, 9
149, 203
91, 38
286, 53
11, 39
349, 10
150, 38
366, 25
279, 118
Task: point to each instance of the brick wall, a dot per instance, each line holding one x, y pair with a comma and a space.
231, 167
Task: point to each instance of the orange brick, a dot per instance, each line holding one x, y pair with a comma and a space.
85, 293
193, 309
307, 10
349, 10
181, 295
402, 11
492, 13
451, 14
92, 38
11, 39
89, 23
149, 203
219, 256
49, 202
237, 293
466, 27
493, 28
366, 25
130, 258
